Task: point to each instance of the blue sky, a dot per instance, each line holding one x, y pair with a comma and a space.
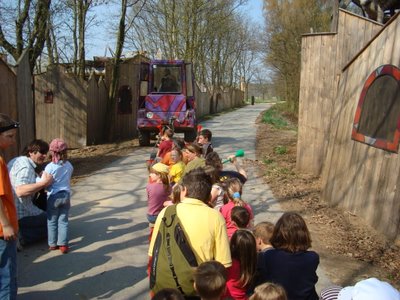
99, 37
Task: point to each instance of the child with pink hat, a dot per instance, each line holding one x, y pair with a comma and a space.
58, 196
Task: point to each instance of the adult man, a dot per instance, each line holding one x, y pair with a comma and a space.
203, 226
168, 82
31, 219
8, 216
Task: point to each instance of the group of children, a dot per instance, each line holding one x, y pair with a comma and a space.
166, 172
270, 262
260, 254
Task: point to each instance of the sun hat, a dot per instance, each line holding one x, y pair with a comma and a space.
160, 167
369, 289
56, 147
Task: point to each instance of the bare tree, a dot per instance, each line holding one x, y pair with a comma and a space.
79, 26
27, 29
122, 27
204, 32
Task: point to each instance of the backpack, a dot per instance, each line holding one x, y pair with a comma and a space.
173, 260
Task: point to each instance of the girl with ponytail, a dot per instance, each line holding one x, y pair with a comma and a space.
234, 195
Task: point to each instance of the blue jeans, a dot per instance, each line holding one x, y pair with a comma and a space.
8, 269
58, 206
152, 218
33, 228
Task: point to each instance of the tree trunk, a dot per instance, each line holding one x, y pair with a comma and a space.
82, 10
335, 15
75, 37
38, 38
111, 105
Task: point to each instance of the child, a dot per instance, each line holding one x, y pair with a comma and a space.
58, 196
8, 215
210, 280
213, 159
243, 269
370, 288
269, 291
263, 233
175, 196
234, 191
217, 190
290, 263
240, 217
177, 168
204, 140
166, 143
158, 190
177, 143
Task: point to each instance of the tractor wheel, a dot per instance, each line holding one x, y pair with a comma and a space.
144, 138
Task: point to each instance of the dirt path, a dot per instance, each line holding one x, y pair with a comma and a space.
349, 249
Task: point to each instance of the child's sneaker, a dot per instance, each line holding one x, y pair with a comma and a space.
64, 249
51, 248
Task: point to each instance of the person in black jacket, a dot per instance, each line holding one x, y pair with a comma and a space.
290, 264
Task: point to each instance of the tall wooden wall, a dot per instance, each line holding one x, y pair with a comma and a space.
66, 117
8, 101
96, 95
357, 177
322, 58
77, 113
16, 100
202, 102
207, 103
125, 124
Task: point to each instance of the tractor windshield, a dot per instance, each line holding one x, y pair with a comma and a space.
167, 79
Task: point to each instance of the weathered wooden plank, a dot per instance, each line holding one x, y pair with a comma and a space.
358, 177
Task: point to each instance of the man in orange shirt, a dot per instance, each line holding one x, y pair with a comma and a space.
8, 216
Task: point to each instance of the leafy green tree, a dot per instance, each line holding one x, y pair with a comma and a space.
286, 21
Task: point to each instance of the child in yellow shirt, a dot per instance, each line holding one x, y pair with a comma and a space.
176, 170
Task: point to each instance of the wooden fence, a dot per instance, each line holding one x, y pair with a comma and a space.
357, 177
74, 110
322, 58
61, 107
96, 110
360, 178
16, 100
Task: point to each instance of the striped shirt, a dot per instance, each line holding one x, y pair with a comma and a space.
330, 293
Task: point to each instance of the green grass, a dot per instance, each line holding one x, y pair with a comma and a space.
273, 117
277, 117
261, 100
268, 161
280, 150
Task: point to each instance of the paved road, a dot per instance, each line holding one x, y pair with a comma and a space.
108, 225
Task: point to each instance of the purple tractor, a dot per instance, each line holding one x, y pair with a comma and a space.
166, 98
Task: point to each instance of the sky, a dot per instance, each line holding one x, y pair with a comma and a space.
99, 37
